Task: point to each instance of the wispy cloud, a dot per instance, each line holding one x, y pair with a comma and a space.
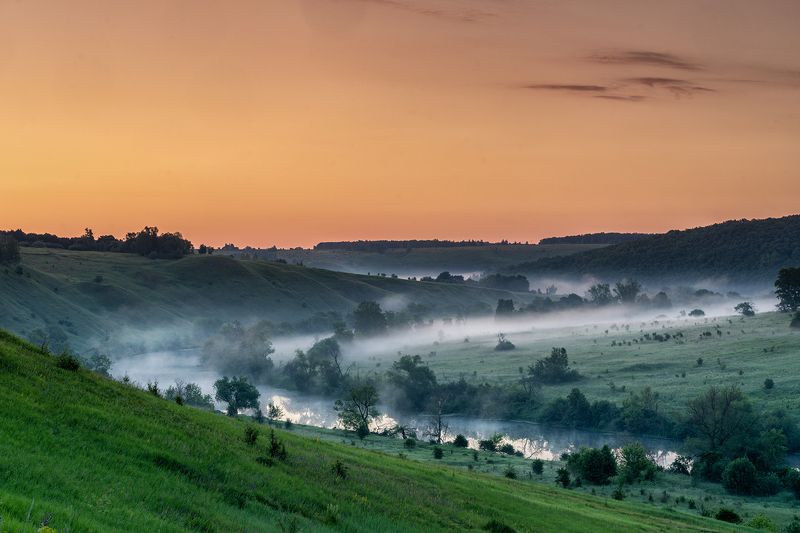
621, 97
457, 14
678, 87
647, 58
567, 87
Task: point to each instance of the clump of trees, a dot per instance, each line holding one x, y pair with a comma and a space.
554, 368
514, 283
593, 465
369, 319
189, 394
147, 242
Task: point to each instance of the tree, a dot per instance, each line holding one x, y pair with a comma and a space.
9, 249
718, 417
740, 476
357, 409
594, 465
437, 427
554, 369
238, 393
274, 412
326, 356
600, 294
635, 463
562, 477
745, 309
460, 441
627, 291
368, 319
504, 307
414, 381
787, 289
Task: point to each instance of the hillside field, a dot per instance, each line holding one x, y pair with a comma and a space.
79, 452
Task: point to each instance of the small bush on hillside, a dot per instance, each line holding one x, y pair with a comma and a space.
179, 399
437, 453
276, 448
697, 312
537, 467
507, 449
288, 424
495, 526
460, 441
67, 361
503, 344
740, 476
619, 493
769, 384
153, 389
339, 470
562, 477
409, 443
250, 435
510, 473
728, 515
595, 466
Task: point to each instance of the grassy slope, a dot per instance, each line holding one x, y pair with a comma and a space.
670, 368
429, 261
57, 290
96, 455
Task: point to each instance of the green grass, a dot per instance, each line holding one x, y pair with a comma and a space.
670, 368
57, 292
95, 455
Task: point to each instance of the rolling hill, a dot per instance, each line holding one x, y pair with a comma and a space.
82, 453
78, 297
737, 251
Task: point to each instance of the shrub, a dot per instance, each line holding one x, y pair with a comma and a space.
618, 493
339, 469
595, 465
740, 476
276, 448
728, 515
503, 344
98, 279
409, 443
507, 449
179, 399
537, 467
636, 463
760, 521
495, 526
437, 452
67, 361
510, 473
288, 424
769, 384
768, 485
562, 477
460, 441
793, 527
697, 312
250, 435
153, 389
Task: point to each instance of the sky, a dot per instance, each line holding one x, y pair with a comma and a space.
290, 122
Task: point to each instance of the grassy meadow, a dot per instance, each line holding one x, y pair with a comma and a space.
615, 358
79, 452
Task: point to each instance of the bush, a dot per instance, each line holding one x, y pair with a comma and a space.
760, 521
537, 467
793, 527
618, 493
460, 441
562, 477
769, 384
740, 476
437, 452
595, 465
494, 526
768, 485
67, 361
728, 515
507, 449
510, 473
636, 463
339, 469
697, 312
250, 435
276, 448
409, 443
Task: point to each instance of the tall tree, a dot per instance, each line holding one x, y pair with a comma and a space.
357, 409
237, 392
787, 289
368, 319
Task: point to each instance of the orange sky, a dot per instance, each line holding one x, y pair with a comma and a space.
289, 122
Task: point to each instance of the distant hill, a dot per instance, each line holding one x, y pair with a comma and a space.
383, 245
74, 296
737, 251
80, 452
597, 238
420, 261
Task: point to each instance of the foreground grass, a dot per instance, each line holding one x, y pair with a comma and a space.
83, 453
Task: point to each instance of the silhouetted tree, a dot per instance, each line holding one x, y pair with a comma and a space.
237, 392
627, 291
600, 294
368, 319
504, 307
787, 289
357, 409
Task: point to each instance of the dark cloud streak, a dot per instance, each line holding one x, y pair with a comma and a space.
643, 57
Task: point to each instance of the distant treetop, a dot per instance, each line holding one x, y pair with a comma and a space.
597, 238
381, 245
